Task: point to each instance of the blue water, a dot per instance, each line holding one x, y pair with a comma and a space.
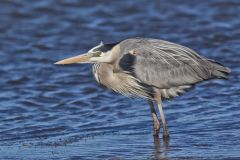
60, 112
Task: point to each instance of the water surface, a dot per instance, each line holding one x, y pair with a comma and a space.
59, 112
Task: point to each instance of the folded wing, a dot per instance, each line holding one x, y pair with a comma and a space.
165, 65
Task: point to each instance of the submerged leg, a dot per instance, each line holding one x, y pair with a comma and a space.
156, 123
165, 129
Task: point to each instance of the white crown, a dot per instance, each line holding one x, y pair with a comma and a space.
98, 46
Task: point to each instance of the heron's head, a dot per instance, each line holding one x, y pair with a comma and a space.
101, 53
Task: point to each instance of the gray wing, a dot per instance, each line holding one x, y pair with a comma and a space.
165, 65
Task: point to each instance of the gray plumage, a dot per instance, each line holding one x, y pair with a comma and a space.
149, 68
155, 66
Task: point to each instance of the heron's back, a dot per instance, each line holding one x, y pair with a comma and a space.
167, 67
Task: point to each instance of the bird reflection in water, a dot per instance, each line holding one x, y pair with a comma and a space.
160, 150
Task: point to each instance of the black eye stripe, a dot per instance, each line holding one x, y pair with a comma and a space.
105, 47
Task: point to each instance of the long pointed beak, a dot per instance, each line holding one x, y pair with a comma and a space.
77, 59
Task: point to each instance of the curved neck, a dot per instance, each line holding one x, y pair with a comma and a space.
103, 73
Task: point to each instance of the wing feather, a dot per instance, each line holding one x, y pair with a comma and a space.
163, 64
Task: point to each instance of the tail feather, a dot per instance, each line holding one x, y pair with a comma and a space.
219, 71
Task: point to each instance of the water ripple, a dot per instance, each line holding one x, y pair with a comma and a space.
49, 111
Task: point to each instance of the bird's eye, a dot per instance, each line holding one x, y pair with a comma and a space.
97, 54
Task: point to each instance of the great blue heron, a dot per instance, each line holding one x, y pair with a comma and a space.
149, 68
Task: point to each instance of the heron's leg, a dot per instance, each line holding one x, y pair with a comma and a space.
165, 129
156, 123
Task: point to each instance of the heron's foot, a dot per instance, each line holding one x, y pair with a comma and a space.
156, 129
156, 133
165, 132
166, 135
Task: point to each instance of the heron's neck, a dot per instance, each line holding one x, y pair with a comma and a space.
103, 73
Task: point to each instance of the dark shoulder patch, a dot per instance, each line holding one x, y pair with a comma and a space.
127, 62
